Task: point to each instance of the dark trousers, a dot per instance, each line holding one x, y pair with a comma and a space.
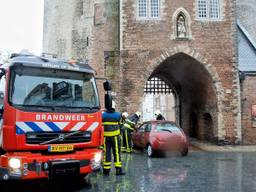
128, 140
112, 144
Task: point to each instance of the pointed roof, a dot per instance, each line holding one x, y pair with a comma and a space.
246, 50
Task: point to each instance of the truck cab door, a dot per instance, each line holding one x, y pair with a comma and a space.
2, 93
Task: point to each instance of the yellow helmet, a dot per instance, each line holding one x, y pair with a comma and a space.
125, 114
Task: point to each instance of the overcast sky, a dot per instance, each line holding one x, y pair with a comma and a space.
21, 25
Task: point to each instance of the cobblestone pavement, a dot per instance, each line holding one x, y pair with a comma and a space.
199, 171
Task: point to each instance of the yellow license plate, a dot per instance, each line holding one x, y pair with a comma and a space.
60, 148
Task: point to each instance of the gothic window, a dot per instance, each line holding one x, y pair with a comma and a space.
148, 9
181, 26
208, 9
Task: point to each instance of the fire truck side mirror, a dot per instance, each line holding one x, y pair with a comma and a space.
107, 85
108, 101
1, 111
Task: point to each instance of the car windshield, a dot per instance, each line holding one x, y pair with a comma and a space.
40, 87
167, 127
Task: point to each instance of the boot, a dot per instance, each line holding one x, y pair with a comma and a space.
128, 150
119, 171
123, 149
106, 171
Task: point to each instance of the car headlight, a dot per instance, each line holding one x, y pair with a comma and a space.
15, 163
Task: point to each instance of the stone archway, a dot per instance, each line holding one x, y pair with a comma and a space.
160, 65
141, 65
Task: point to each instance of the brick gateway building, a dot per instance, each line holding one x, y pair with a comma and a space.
196, 47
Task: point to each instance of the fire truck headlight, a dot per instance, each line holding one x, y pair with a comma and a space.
15, 163
97, 157
96, 161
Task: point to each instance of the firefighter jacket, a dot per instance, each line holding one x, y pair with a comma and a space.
111, 123
132, 121
128, 124
134, 118
122, 122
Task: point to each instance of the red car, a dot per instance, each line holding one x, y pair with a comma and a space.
157, 136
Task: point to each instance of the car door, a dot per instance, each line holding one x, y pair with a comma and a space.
2, 92
146, 135
136, 135
140, 135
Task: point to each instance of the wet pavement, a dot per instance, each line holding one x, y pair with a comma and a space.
199, 171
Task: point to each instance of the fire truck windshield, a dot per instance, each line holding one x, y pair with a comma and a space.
41, 89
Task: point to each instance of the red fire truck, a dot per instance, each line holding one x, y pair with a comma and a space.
50, 119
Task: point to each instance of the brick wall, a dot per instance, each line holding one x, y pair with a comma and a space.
247, 100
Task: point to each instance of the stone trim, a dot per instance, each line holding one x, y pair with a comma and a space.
187, 20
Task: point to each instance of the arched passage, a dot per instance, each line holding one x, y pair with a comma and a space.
195, 94
208, 126
193, 125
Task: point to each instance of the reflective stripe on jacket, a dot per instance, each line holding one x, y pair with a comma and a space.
111, 123
129, 124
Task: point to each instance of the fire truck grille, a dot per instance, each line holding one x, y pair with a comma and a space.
37, 138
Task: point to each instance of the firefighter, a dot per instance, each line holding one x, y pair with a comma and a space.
111, 122
123, 119
129, 126
159, 115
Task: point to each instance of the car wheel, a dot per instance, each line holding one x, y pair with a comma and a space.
150, 151
184, 152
